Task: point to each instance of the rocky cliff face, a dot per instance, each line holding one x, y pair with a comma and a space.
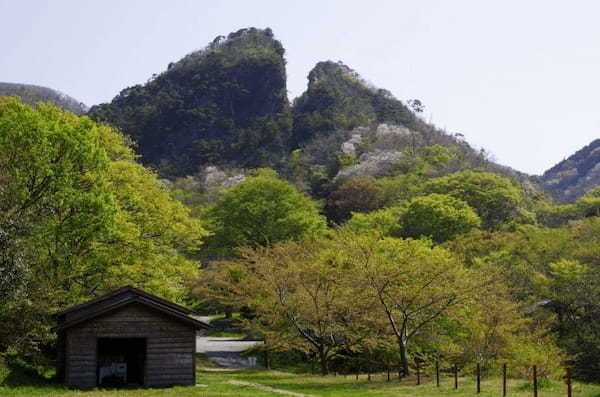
571, 178
31, 94
224, 105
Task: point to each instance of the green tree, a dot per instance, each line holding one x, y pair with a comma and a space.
298, 297
79, 216
589, 204
439, 217
408, 282
385, 222
153, 238
571, 291
262, 210
54, 205
495, 198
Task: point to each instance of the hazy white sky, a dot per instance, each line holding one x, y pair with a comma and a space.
519, 78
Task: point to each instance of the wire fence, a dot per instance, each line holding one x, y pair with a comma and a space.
418, 378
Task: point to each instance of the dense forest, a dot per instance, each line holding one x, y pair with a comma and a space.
224, 105
345, 229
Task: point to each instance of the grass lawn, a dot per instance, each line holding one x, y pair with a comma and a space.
225, 334
217, 385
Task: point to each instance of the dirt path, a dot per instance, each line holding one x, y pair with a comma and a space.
268, 388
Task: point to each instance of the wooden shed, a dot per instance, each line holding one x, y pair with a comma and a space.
127, 337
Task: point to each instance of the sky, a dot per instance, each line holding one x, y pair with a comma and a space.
517, 78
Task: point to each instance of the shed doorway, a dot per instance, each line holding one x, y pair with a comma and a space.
121, 362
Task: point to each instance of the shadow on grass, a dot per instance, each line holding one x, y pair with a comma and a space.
311, 383
19, 376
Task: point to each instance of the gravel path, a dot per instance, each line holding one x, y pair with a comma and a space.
226, 352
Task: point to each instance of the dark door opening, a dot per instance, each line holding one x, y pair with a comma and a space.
121, 361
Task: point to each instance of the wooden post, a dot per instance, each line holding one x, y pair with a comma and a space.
568, 380
504, 380
399, 374
535, 384
418, 373
369, 374
437, 373
388, 373
455, 376
478, 378
357, 372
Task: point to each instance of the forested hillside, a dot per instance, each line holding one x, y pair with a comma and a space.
574, 176
33, 93
224, 105
337, 98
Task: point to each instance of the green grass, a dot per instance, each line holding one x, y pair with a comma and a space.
221, 316
225, 334
19, 384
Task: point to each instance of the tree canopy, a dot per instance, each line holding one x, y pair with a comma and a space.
439, 217
495, 198
262, 210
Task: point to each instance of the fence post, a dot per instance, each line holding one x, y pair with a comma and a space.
388, 373
504, 380
455, 376
437, 373
569, 388
535, 383
418, 373
478, 378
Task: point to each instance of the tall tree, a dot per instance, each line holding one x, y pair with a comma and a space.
79, 216
297, 295
409, 282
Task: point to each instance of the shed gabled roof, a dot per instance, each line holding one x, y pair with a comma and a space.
119, 298
121, 291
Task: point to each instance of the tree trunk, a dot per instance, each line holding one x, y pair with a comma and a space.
323, 362
403, 358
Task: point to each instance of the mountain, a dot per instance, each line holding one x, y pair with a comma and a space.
337, 98
571, 178
224, 105
352, 129
31, 94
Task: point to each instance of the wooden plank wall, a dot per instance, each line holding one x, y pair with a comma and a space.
170, 346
